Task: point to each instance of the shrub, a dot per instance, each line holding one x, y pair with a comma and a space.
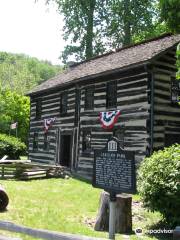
11, 146
159, 183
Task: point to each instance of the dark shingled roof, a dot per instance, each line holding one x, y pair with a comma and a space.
121, 58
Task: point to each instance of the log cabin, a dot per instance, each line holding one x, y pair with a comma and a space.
139, 80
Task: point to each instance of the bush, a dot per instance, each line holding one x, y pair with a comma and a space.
159, 183
11, 146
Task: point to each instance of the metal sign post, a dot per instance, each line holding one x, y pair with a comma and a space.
112, 216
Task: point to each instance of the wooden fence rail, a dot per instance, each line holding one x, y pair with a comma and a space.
45, 234
25, 170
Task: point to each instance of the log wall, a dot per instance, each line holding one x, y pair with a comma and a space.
166, 127
147, 117
132, 99
50, 109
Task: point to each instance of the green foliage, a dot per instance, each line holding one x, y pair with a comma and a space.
159, 183
170, 13
14, 108
131, 19
93, 26
11, 146
83, 23
158, 28
21, 73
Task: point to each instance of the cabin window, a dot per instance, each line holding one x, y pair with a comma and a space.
175, 91
111, 97
63, 105
38, 109
119, 134
77, 106
46, 142
171, 139
35, 141
86, 143
89, 98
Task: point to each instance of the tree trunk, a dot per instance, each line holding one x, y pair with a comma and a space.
127, 23
89, 32
123, 213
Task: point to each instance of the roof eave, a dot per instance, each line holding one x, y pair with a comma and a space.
163, 52
74, 81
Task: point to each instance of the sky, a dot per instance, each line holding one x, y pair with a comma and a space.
31, 28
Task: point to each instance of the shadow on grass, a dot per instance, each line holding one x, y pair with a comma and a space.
155, 231
75, 176
4, 211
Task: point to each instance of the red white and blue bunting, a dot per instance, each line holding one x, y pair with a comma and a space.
48, 123
108, 119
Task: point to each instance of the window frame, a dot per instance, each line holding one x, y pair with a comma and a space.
46, 142
63, 103
89, 98
38, 109
35, 141
120, 131
86, 148
77, 106
111, 94
175, 90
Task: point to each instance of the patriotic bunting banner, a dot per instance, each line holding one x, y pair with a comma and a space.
108, 119
48, 123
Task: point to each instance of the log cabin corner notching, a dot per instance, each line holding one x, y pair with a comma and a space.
139, 80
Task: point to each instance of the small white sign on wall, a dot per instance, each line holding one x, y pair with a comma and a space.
112, 146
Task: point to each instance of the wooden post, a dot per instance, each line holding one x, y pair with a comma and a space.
123, 213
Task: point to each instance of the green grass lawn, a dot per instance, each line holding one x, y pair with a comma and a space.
64, 205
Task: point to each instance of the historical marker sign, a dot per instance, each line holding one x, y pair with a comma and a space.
114, 169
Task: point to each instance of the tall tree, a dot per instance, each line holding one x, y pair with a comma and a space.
93, 26
129, 19
83, 20
170, 13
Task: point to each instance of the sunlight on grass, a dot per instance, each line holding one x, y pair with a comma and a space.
59, 205
23, 157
